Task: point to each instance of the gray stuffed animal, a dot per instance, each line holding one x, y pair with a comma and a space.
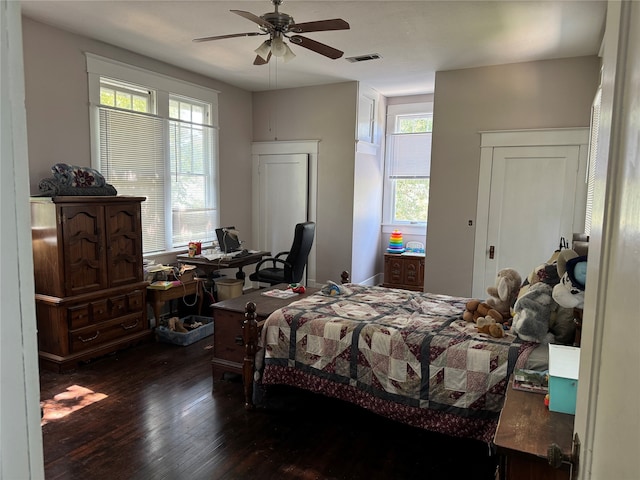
532, 312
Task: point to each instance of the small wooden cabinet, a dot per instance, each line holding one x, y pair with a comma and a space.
404, 271
90, 289
525, 432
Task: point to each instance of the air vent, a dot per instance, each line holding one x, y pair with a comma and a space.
363, 58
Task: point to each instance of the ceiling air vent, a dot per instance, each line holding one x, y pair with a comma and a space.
363, 58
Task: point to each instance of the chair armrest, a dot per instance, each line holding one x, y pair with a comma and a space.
273, 260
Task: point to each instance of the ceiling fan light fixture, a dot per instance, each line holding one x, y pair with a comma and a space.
278, 47
264, 49
288, 54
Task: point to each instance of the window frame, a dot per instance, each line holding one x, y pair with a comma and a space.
395, 111
165, 88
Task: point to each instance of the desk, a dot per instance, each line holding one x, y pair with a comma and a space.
525, 431
218, 264
157, 297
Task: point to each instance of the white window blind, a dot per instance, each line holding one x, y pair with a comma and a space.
593, 151
409, 155
132, 158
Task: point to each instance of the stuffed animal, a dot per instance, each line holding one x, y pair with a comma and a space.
572, 269
532, 313
489, 326
503, 295
476, 309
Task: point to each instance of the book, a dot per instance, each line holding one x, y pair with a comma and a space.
288, 293
536, 381
164, 284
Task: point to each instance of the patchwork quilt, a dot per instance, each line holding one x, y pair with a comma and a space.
406, 355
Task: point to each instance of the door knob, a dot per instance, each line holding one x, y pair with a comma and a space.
492, 251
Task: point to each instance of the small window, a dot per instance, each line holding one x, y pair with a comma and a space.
408, 164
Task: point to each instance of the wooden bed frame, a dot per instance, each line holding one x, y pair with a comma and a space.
250, 333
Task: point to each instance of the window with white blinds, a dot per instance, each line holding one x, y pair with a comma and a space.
153, 137
408, 164
593, 151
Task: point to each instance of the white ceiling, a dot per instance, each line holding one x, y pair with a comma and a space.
414, 38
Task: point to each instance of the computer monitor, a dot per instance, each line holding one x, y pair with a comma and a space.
228, 239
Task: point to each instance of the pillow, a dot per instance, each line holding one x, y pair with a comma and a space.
79, 177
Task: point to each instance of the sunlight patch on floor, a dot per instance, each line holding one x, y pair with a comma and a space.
62, 404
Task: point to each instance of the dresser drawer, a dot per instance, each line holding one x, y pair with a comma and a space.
92, 336
79, 315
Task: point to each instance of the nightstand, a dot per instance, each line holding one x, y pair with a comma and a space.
228, 316
404, 270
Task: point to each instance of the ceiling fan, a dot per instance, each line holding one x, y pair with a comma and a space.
280, 26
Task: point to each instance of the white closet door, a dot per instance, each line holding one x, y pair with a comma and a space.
531, 206
283, 194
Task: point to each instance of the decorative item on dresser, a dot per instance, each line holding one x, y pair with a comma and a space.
90, 290
404, 270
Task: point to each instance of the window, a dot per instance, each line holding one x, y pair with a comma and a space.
407, 163
155, 137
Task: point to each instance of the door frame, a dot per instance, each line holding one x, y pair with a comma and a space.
489, 140
308, 147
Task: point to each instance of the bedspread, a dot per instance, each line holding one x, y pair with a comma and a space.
407, 355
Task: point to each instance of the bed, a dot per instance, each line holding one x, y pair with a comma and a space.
405, 355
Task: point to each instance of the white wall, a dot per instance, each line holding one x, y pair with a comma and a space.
20, 434
607, 414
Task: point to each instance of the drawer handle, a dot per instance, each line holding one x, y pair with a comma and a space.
239, 340
85, 340
129, 327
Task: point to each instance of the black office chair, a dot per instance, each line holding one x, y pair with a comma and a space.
290, 269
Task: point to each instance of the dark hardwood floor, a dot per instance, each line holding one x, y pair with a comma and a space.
161, 420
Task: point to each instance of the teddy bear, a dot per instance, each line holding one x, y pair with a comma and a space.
532, 313
504, 293
477, 309
487, 319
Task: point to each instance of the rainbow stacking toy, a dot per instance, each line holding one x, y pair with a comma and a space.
395, 242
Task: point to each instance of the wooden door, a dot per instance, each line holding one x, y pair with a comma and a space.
85, 268
533, 195
124, 243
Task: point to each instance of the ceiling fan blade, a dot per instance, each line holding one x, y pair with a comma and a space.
233, 35
317, 47
254, 18
319, 26
261, 61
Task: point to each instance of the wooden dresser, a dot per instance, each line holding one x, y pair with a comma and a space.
90, 288
525, 433
404, 271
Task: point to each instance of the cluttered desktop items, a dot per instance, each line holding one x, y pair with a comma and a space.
228, 239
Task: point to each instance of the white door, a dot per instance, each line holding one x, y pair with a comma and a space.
532, 197
279, 201
282, 193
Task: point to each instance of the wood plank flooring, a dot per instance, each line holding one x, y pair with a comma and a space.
160, 419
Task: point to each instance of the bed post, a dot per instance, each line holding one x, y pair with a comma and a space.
250, 338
